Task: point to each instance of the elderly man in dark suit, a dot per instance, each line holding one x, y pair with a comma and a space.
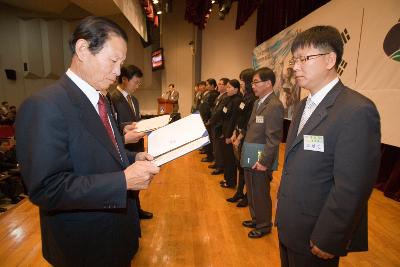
331, 159
265, 127
73, 159
127, 110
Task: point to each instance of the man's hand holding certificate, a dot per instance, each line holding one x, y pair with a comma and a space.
177, 139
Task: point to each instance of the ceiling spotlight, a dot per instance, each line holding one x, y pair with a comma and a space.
155, 1
213, 2
159, 12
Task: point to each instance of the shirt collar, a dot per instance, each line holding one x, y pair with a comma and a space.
264, 97
320, 95
123, 92
86, 88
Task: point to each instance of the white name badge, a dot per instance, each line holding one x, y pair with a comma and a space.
314, 143
241, 106
224, 110
259, 119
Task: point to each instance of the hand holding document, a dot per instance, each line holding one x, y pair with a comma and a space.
177, 139
152, 124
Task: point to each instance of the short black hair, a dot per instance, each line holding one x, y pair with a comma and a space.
202, 83
212, 82
235, 83
96, 31
266, 74
326, 38
224, 80
171, 84
129, 72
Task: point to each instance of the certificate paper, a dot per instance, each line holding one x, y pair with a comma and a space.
152, 124
177, 139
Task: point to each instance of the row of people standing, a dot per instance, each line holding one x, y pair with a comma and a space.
331, 160
232, 119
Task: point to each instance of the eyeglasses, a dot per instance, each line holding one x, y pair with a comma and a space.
303, 59
255, 82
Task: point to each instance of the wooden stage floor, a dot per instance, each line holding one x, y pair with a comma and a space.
193, 225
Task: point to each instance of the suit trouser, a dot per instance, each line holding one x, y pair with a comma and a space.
241, 183
208, 149
259, 198
230, 170
218, 151
289, 258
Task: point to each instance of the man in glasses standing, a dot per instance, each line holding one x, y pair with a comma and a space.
331, 160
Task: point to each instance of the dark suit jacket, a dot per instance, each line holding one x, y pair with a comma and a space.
270, 131
207, 103
74, 173
172, 96
217, 115
323, 195
245, 112
125, 114
230, 114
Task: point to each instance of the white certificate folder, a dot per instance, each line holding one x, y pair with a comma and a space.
177, 139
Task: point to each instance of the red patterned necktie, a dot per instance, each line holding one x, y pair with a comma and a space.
104, 119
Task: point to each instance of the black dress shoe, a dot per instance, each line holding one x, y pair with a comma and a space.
212, 166
235, 198
258, 233
145, 214
242, 203
225, 185
206, 159
217, 172
249, 224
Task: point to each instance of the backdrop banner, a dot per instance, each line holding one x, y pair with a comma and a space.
370, 32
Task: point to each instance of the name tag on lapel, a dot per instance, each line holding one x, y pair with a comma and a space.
241, 106
225, 110
259, 119
314, 143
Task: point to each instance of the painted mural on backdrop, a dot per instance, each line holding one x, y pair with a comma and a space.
275, 54
391, 44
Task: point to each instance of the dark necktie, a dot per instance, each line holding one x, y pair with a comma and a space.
129, 99
104, 119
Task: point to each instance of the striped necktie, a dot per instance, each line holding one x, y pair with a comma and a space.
104, 119
129, 99
308, 110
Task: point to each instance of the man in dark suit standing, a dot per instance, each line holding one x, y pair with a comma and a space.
127, 111
265, 127
205, 108
331, 159
172, 95
215, 126
73, 160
